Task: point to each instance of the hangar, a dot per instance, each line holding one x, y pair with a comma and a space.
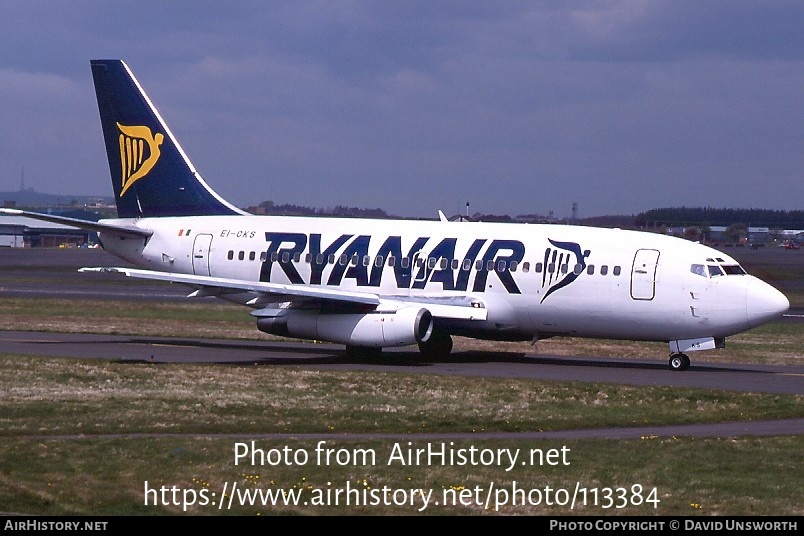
19, 231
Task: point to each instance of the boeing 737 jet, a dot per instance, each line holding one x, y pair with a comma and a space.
371, 284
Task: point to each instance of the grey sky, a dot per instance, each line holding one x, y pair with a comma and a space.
412, 107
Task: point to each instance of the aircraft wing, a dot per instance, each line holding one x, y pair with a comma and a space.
97, 227
452, 307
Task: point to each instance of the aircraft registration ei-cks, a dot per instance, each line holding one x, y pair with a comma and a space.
371, 284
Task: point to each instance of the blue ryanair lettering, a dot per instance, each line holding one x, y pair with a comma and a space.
465, 270
275, 240
319, 259
436, 273
414, 269
501, 264
352, 269
392, 247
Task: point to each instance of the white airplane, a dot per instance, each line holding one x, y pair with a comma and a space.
371, 284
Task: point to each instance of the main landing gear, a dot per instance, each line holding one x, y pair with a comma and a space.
437, 347
679, 362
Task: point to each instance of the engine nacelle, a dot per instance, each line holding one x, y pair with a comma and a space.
401, 328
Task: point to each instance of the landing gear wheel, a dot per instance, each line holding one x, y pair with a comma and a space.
437, 347
679, 362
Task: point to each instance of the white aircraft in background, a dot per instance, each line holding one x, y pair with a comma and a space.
371, 284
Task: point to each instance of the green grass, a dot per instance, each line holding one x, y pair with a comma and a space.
82, 437
730, 476
61, 396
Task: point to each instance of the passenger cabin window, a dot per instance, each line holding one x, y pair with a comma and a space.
604, 270
230, 256
617, 270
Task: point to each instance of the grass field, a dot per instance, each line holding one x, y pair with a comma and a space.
84, 437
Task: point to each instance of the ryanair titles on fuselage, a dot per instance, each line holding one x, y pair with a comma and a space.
418, 265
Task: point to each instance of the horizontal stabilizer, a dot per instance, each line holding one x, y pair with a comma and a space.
98, 227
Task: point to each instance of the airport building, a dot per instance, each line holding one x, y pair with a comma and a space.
19, 231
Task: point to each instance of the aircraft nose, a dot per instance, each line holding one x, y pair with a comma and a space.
764, 303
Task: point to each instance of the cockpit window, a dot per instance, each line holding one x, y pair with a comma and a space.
714, 270
733, 269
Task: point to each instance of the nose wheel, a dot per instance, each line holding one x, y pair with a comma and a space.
679, 362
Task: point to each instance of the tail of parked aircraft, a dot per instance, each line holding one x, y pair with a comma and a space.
151, 175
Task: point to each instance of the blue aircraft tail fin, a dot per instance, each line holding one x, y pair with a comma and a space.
151, 175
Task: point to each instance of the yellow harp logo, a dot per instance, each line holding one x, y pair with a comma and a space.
139, 151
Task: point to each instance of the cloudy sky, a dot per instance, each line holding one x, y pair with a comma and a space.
415, 106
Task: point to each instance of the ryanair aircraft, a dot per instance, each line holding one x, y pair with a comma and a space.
371, 284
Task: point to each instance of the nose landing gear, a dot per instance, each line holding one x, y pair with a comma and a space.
679, 362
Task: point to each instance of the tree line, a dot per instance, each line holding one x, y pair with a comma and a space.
708, 216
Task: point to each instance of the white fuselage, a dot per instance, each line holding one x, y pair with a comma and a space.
535, 280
